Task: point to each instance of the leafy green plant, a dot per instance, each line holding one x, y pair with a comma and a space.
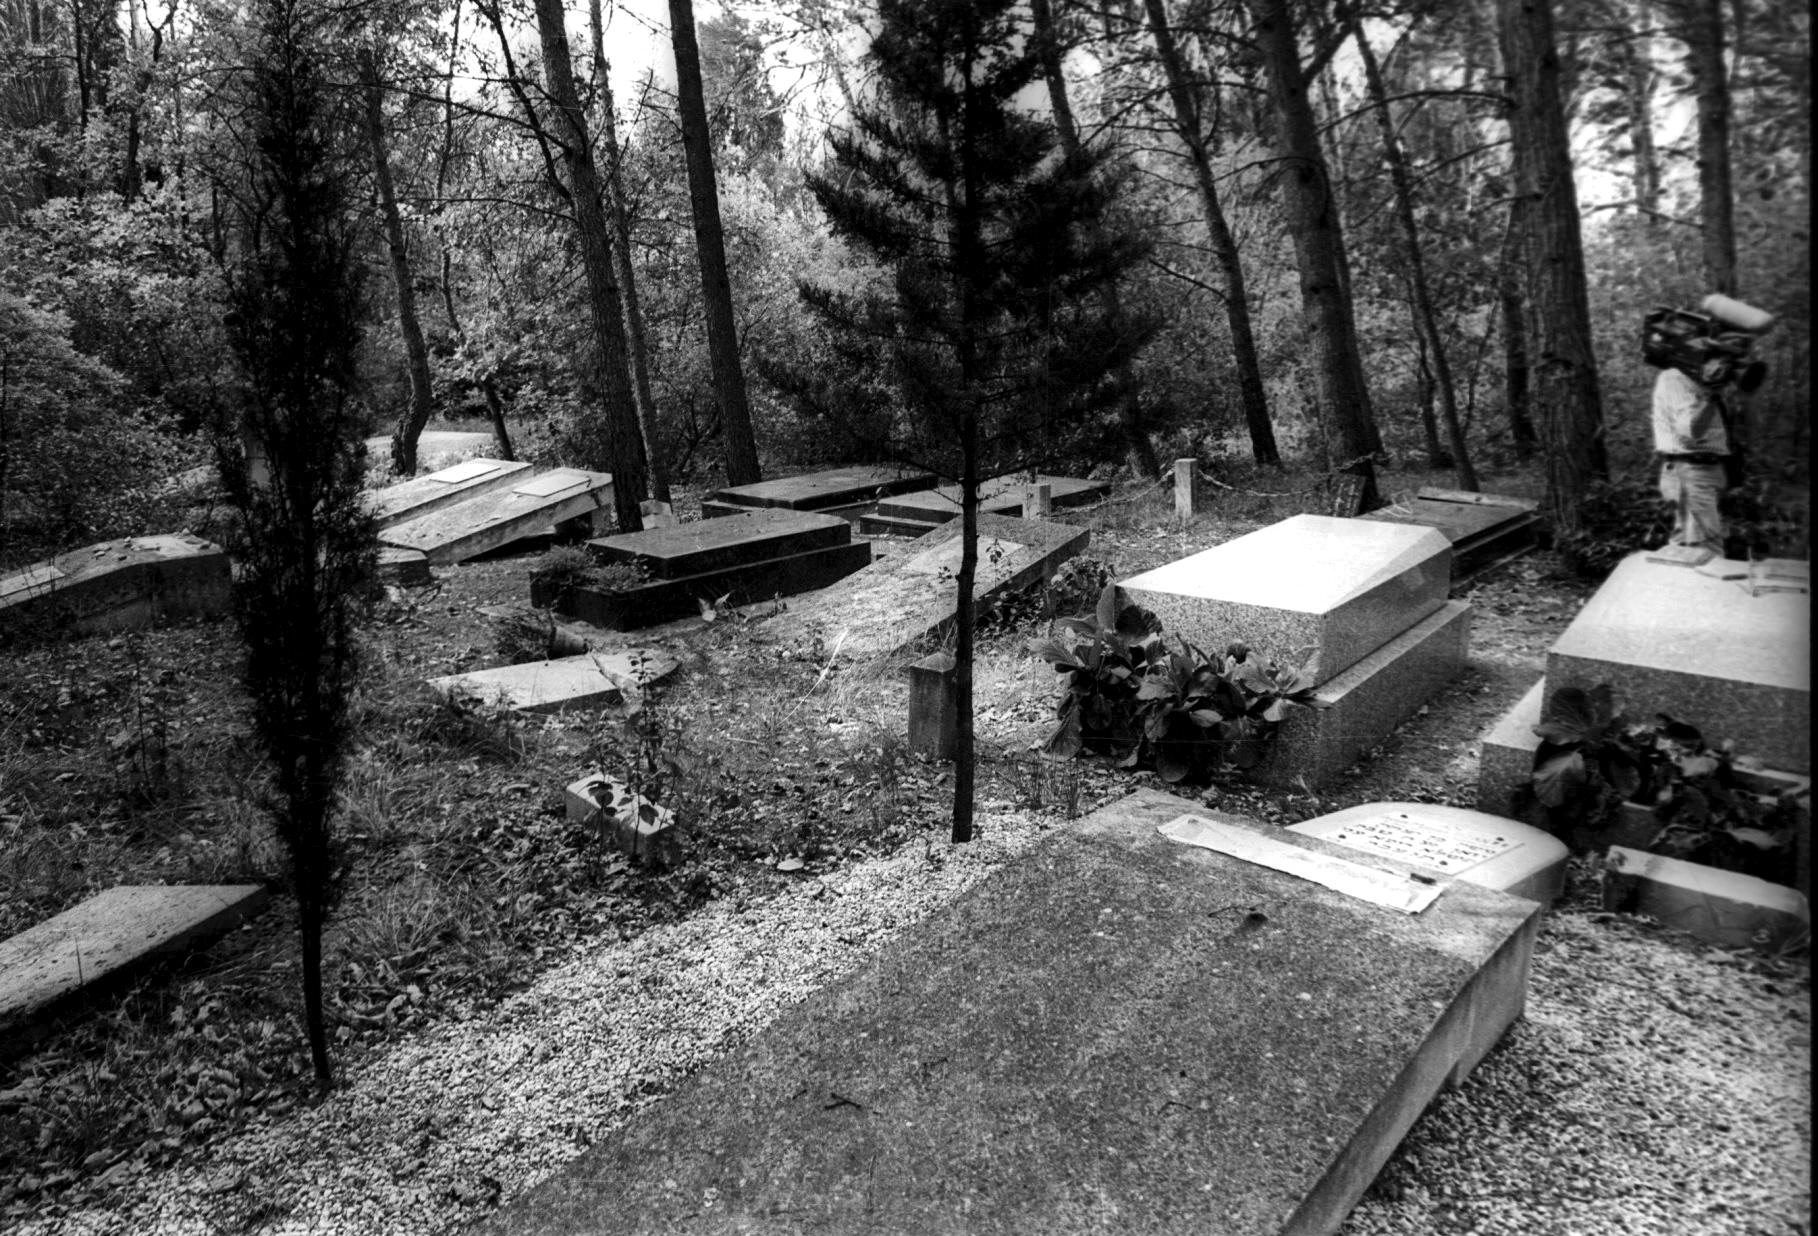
1590, 761
1186, 714
1616, 518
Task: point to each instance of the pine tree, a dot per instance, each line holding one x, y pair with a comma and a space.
998, 246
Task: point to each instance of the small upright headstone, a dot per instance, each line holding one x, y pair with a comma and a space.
1186, 487
1347, 495
1040, 502
933, 707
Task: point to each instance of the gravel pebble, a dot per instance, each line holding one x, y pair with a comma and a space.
1655, 1085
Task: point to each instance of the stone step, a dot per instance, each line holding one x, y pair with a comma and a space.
406, 500
1686, 642
119, 585
94, 947
1311, 590
745, 538
529, 508
1191, 1042
664, 599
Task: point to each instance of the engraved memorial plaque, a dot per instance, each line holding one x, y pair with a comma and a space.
472, 470
1394, 835
550, 484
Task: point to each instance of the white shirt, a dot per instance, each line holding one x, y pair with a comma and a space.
1686, 417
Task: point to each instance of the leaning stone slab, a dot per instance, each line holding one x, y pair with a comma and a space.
1310, 589
119, 585
486, 521
1724, 907
897, 600
406, 500
1362, 706
1702, 650
108, 939
1183, 1041
591, 680
843, 491
1451, 843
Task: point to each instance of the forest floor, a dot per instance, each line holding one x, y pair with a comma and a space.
128, 760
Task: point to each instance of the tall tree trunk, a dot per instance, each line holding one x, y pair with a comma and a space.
1638, 71
1139, 451
1224, 244
1516, 399
710, 244
1437, 455
621, 446
636, 338
410, 330
1704, 36
1426, 319
1554, 298
1312, 219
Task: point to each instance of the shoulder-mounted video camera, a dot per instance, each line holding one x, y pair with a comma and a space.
1711, 346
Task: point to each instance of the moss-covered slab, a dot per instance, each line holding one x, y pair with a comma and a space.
1117, 1033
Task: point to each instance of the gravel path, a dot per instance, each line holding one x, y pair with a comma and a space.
1656, 1086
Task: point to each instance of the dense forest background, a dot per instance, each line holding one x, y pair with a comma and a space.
530, 230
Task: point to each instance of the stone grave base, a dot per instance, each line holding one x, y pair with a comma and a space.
661, 600
1183, 1041
1364, 704
119, 585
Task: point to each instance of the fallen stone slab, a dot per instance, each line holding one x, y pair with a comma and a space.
406, 500
1700, 648
911, 594
1451, 843
842, 491
1174, 1040
111, 938
532, 506
1311, 590
591, 680
119, 585
1723, 907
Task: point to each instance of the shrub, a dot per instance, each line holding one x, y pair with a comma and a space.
1617, 517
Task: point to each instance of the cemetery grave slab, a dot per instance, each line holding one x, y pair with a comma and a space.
104, 941
898, 600
660, 600
1169, 1039
914, 513
1700, 649
530, 507
404, 568
436, 448
1451, 843
120, 585
395, 504
845, 491
590, 680
1723, 907
741, 539
1311, 589
1485, 530
1363, 705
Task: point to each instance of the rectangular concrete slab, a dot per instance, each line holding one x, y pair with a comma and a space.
1308, 590
1116, 1033
1002, 495
1363, 705
833, 487
1506, 761
406, 500
120, 585
737, 540
912, 593
661, 600
107, 939
530, 506
1724, 907
591, 680
1702, 650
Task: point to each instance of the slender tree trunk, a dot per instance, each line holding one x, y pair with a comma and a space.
1139, 451
1638, 69
410, 330
1522, 435
310, 920
1426, 319
1312, 220
636, 338
1704, 36
1224, 245
621, 448
1554, 298
1437, 455
710, 243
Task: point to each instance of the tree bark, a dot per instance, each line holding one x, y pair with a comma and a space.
1426, 319
1312, 220
1224, 245
410, 329
1638, 70
1515, 365
1139, 451
1554, 299
710, 244
1704, 37
621, 446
